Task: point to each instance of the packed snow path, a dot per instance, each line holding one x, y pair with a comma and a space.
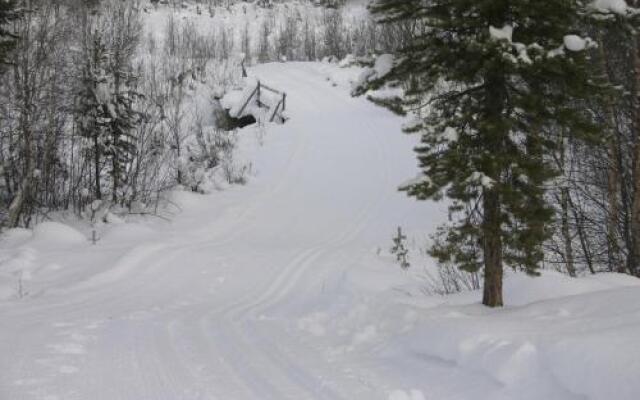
204, 308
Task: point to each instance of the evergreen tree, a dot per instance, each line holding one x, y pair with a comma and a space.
493, 82
120, 144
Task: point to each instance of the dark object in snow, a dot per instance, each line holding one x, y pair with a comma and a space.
242, 121
400, 250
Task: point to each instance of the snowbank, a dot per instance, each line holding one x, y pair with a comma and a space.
14, 236
560, 338
56, 233
566, 338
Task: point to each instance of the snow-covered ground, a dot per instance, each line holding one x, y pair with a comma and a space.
283, 289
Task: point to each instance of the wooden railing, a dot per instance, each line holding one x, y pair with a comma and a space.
280, 106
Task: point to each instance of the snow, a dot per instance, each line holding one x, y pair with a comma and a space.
450, 134
481, 178
15, 235
560, 344
282, 289
410, 395
419, 179
504, 33
613, 6
556, 52
523, 352
523, 54
58, 234
575, 43
235, 100
383, 65
127, 231
244, 101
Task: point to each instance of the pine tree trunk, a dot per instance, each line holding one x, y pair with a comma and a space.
634, 256
492, 208
492, 295
613, 170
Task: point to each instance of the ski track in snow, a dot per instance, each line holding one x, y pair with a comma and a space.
158, 324
279, 290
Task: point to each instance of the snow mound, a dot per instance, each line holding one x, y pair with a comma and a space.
57, 233
521, 289
567, 337
12, 237
186, 199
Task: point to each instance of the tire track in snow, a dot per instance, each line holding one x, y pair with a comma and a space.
279, 289
275, 293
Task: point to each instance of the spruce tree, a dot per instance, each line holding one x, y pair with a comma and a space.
120, 144
491, 83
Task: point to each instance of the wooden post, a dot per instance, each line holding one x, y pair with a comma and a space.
284, 101
258, 93
244, 70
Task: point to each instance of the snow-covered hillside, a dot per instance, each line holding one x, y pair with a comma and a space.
282, 289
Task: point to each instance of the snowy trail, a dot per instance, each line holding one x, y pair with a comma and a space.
282, 290
184, 313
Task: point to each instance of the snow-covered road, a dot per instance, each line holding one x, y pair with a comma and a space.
207, 307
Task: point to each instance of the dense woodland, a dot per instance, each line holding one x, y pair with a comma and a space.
538, 150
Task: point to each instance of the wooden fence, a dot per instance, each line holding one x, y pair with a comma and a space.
278, 107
